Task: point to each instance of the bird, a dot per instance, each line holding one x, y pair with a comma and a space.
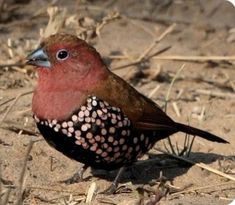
92, 115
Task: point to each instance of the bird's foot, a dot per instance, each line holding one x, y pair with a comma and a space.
111, 190
77, 177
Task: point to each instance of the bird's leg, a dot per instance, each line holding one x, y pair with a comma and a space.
115, 182
77, 177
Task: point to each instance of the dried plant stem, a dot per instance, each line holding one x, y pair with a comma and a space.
195, 58
176, 109
167, 99
7, 101
141, 61
155, 41
12, 65
171, 85
153, 92
215, 93
13, 103
203, 187
91, 193
188, 58
22, 175
201, 165
143, 57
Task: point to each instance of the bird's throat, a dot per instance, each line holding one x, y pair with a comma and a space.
56, 105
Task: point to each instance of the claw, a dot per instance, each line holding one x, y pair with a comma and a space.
113, 188
77, 177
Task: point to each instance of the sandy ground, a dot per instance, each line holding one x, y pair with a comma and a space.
123, 32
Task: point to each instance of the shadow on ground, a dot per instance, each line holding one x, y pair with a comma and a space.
148, 171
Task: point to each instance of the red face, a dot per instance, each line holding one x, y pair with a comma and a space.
69, 70
66, 62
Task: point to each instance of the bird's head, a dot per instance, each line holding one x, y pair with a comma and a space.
68, 71
65, 62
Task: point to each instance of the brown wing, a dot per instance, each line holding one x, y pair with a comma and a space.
153, 118
144, 113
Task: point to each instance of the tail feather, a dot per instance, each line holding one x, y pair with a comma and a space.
204, 134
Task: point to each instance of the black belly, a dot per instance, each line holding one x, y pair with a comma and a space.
97, 135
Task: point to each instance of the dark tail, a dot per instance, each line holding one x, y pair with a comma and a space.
194, 131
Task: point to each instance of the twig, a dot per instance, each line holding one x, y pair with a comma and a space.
176, 109
13, 103
143, 57
203, 187
215, 93
19, 128
153, 44
228, 199
21, 179
187, 58
171, 85
152, 93
7, 101
201, 165
190, 145
56, 21
171, 146
167, 99
106, 20
91, 193
229, 81
140, 25
195, 58
12, 65
143, 60
163, 19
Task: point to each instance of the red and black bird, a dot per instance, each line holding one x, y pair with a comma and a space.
90, 114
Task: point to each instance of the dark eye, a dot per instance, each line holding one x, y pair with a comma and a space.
62, 54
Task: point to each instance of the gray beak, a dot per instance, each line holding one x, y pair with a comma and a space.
38, 58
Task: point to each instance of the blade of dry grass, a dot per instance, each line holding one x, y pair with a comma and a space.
201, 165
203, 187
56, 21
195, 58
176, 109
144, 56
167, 99
12, 65
22, 174
141, 61
91, 193
152, 93
171, 85
13, 103
189, 58
155, 41
215, 93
